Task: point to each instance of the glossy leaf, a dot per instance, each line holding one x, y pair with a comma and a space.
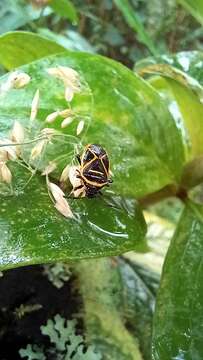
178, 322
195, 7
187, 109
135, 23
116, 105
33, 232
21, 47
184, 95
64, 8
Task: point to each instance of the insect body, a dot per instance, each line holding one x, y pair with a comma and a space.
94, 170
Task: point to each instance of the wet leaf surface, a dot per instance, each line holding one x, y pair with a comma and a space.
32, 231
178, 79
114, 104
179, 309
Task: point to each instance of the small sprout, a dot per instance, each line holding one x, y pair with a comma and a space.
66, 122
5, 173
80, 127
37, 149
17, 134
49, 168
65, 113
52, 117
65, 174
61, 203
20, 80
34, 106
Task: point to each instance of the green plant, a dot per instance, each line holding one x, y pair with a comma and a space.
150, 122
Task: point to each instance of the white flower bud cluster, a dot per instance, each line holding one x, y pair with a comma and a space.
11, 148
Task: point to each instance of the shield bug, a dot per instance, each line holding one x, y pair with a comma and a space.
93, 171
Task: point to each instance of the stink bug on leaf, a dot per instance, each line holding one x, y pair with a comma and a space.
93, 171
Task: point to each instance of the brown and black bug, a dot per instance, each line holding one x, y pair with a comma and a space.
94, 170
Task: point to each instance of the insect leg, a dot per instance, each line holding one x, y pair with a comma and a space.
78, 158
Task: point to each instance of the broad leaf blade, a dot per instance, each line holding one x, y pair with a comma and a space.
33, 232
21, 47
184, 96
178, 320
116, 105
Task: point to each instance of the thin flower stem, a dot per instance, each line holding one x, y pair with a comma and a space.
24, 143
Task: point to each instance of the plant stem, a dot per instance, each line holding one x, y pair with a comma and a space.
167, 191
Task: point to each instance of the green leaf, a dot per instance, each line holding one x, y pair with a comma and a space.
21, 47
195, 7
135, 23
116, 105
184, 95
33, 232
187, 110
65, 8
179, 312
